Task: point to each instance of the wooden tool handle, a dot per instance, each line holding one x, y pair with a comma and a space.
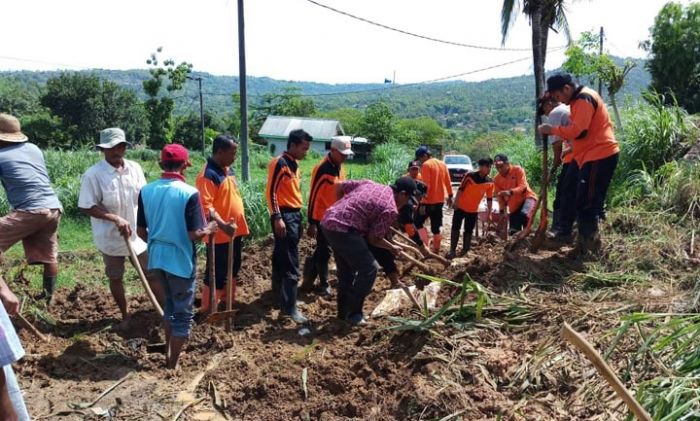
229, 279
142, 277
30, 327
575, 339
432, 255
416, 262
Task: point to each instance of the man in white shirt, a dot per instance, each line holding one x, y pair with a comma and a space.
109, 194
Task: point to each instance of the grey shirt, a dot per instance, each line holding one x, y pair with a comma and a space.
25, 178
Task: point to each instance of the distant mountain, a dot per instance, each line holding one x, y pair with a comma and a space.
488, 105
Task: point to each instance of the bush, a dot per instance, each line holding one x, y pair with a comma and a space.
389, 161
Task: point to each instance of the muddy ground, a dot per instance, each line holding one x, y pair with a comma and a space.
511, 364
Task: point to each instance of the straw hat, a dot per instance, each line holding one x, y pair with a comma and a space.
10, 129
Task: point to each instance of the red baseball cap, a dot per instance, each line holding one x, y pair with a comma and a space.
174, 152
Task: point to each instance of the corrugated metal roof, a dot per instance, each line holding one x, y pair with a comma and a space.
319, 129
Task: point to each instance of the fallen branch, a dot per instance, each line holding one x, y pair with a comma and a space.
186, 407
85, 405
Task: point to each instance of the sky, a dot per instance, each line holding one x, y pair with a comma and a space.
297, 40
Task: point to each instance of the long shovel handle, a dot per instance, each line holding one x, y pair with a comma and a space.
229, 279
416, 262
435, 256
575, 339
30, 327
142, 277
212, 276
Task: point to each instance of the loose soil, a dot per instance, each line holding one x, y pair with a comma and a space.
493, 369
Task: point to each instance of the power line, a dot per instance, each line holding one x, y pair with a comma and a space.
412, 34
29, 60
407, 85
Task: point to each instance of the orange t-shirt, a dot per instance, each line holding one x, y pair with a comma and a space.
516, 182
472, 190
590, 129
218, 189
283, 184
437, 178
419, 177
324, 177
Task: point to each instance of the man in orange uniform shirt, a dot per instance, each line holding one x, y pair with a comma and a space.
324, 177
284, 203
220, 197
513, 191
475, 185
435, 175
595, 152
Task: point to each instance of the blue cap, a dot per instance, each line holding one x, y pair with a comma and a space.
423, 150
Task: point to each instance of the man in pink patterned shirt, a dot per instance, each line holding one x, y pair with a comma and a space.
363, 215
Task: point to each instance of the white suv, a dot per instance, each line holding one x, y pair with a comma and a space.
458, 166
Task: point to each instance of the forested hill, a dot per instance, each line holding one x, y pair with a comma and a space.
488, 105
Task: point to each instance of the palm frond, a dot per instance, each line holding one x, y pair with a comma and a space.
509, 12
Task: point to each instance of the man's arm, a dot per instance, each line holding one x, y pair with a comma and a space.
447, 182
197, 228
99, 212
207, 193
520, 182
141, 224
580, 120
9, 299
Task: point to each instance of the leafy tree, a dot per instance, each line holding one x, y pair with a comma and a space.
159, 108
583, 59
377, 123
674, 48
188, 129
86, 104
18, 98
47, 130
417, 131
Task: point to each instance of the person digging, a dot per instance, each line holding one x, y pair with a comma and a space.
109, 195
475, 185
514, 193
362, 216
170, 220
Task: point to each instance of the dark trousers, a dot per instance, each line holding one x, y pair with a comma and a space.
221, 262
384, 258
434, 212
317, 264
520, 218
565, 201
592, 188
285, 262
469, 219
357, 270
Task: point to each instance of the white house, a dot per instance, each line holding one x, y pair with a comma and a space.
276, 129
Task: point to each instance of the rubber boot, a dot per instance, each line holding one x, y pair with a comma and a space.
437, 240
308, 275
322, 270
467, 243
454, 240
49, 284
423, 234
220, 296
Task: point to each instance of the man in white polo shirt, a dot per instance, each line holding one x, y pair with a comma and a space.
109, 194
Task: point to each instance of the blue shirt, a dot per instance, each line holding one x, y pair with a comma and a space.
169, 208
25, 178
10, 348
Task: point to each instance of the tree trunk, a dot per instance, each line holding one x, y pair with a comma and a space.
618, 120
538, 57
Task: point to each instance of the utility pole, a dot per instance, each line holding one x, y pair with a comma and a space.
243, 89
201, 111
600, 81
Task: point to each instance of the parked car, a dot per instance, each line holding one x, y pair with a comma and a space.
458, 166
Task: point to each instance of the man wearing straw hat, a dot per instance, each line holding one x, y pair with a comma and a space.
109, 192
36, 210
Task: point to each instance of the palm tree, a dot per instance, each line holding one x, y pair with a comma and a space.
543, 16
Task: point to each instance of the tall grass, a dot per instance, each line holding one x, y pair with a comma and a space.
389, 161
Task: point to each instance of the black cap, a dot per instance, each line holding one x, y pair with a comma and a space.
423, 150
405, 185
413, 164
558, 81
421, 188
501, 157
485, 161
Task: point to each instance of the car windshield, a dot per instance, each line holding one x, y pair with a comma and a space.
458, 159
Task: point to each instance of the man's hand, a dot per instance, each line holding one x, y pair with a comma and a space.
229, 228
211, 228
395, 250
545, 129
505, 193
450, 202
311, 231
280, 228
123, 226
9, 300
